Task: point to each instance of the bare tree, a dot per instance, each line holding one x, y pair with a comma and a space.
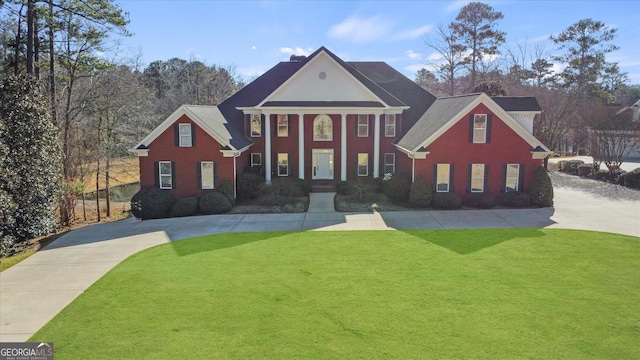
450, 56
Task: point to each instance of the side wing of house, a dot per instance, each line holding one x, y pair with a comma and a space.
470, 144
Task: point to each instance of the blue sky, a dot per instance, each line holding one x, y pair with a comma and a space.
253, 36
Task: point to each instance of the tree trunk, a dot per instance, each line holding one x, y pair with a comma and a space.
16, 51
30, 36
98, 189
52, 74
106, 184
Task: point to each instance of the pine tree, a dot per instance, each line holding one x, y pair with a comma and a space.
34, 162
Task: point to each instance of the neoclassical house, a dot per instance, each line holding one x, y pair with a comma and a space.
325, 120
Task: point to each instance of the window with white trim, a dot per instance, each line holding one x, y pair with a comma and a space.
389, 163
363, 125
479, 128
512, 177
322, 128
477, 177
283, 126
363, 164
256, 125
165, 175
256, 159
390, 125
283, 164
185, 135
442, 177
207, 177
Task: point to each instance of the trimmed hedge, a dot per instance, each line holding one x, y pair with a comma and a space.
249, 185
632, 179
226, 188
151, 203
397, 188
481, 200
541, 189
515, 199
446, 201
214, 203
185, 207
570, 166
585, 170
421, 193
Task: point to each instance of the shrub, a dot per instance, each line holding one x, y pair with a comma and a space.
284, 187
376, 184
602, 175
397, 187
541, 189
420, 194
249, 185
446, 201
570, 166
515, 199
185, 207
585, 170
481, 200
344, 188
226, 189
151, 203
214, 203
632, 179
304, 186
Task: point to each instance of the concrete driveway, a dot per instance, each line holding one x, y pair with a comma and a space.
34, 291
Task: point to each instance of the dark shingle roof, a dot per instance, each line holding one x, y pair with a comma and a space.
323, 104
442, 110
517, 103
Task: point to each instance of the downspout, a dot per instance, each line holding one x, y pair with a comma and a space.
235, 176
413, 169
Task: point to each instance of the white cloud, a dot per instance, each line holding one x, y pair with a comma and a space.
413, 33
413, 55
456, 5
415, 68
253, 47
296, 51
360, 30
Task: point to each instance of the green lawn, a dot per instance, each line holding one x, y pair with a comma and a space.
492, 294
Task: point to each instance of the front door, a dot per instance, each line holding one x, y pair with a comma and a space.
322, 164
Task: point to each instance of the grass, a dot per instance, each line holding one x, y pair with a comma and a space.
482, 294
8, 262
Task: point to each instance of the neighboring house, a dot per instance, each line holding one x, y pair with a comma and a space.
325, 120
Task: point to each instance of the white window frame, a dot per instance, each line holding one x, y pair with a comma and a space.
443, 172
282, 125
162, 175
185, 136
391, 163
208, 184
253, 163
363, 158
328, 136
479, 132
363, 126
511, 182
283, 160
390, 123
477, 175
255, 119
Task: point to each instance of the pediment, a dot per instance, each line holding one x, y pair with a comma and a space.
322, 79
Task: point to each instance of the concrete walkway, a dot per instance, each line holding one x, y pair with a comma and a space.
35, 290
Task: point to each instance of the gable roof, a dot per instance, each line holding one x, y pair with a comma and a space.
209, 118
445, 112
517, 103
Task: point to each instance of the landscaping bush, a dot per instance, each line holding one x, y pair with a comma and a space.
446, 201
632, 179
214, 203
516, 199
585, 170
420, 194
185, 207
397, 187
570, 166
541, 189
376, 184
304, 186
481, 200
284, 187
151, 203
249, 185
226, 188
344, 188
602, 175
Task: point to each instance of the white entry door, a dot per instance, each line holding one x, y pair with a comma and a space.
322, 164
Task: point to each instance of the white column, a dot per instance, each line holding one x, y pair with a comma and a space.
343, 148
301, 146
267, 148
376, 146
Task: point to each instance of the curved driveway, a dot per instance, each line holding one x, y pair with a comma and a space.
35, 290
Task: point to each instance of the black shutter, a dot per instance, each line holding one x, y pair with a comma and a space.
173, 175
193, 134
156, 176
451, 178
288, 164
176, 134
521, 178
471, 128
370, 128
469, 177
288, 126
488, 137
199, 174
504, 178
486, 178
215, 175
435, 177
